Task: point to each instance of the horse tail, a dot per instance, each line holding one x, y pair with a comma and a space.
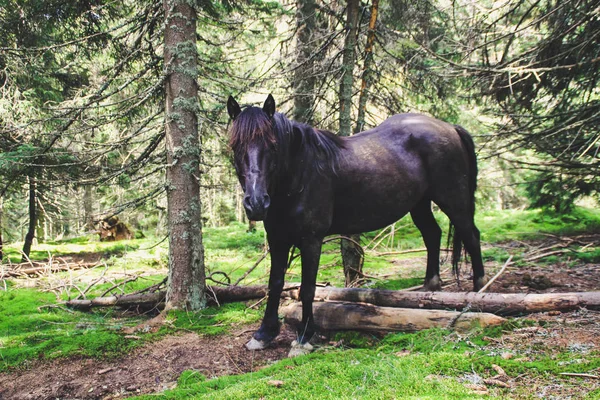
457, 244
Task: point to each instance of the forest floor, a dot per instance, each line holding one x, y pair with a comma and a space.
568, 339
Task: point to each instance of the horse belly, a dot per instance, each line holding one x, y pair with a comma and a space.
375, 202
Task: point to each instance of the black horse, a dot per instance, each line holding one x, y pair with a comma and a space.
307, 183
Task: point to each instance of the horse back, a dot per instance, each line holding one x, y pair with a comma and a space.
384, 172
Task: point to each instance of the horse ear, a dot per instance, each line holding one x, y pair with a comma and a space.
269, 106
233, 108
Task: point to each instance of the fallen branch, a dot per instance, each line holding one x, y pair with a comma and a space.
487, 285
351, 316
33, 268
578, 375
256, 264
393, 253
551, 253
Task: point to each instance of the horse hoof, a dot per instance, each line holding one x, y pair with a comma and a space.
254, 344
300, 349
479, 283
433, 285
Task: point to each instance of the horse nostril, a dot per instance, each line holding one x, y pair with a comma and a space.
266, 201
246, 203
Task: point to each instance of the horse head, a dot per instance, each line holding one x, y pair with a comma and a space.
254, 145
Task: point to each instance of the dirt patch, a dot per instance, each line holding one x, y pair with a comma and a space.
150, 369
575, 333
555, 278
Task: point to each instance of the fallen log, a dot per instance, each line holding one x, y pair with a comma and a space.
127, 300
216, 295
336, 316
496, 303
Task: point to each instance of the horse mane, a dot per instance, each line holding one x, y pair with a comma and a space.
251, 126
320, 146
287, 137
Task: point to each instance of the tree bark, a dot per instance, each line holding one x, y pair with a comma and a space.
304, 76
497, 303
132, 300
367, 72
32, 220
348, 60
1, 242
186, 287
88, 208
351, 257
333, 316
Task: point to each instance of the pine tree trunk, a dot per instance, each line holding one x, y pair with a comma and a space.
32, 220
367, 72
304, 76
187, 286
1, 242
351, 256
348, 60
88, 208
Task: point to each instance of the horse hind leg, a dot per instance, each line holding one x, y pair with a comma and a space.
464, 226
471, 239
423, 218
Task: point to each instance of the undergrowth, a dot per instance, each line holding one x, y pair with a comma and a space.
421, 365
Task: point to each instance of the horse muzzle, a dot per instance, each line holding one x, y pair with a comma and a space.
257, 206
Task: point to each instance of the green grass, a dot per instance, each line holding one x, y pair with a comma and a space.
499, 226
28, 332
31, 331
213, 320
345, 374
76, 246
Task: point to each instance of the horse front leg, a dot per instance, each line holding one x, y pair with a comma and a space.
269, 329
311, 254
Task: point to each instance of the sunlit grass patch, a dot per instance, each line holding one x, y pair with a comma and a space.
31, 330
212, 320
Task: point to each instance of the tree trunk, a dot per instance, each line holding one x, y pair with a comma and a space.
351, 257
32, 220
332, 316
1, 242
40, 223
88, 208
348, 60
187, 286
304, 75
367, 72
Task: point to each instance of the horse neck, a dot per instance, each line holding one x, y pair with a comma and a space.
302, 160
